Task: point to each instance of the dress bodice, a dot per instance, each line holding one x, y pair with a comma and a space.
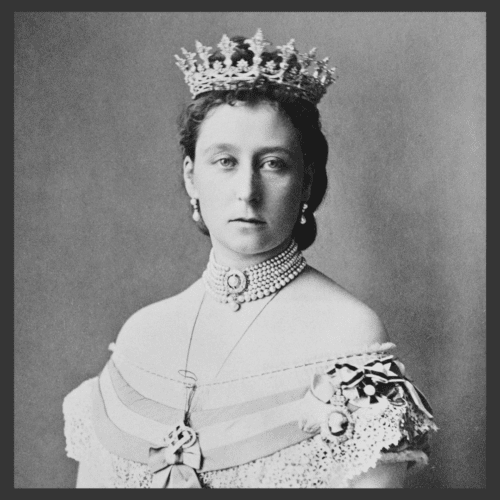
251, 427
299, 402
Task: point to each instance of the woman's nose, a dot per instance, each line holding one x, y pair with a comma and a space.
248, 184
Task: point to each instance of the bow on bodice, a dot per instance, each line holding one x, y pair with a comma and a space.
174, 465
377, 381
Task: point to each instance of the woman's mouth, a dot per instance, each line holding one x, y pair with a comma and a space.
250, 220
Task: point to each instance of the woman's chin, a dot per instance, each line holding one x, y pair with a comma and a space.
254, 247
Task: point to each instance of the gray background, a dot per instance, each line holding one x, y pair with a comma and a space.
102, 224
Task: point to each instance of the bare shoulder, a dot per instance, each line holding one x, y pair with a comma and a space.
333, 315
155, 320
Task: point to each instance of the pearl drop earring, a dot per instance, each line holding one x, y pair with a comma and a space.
196, 209
303, 217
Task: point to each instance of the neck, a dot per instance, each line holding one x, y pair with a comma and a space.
225, 257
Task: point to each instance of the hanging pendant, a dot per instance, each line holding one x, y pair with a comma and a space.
234, 305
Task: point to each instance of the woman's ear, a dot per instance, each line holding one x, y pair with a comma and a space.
188, 169
307, 183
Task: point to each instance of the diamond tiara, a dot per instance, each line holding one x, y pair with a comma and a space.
300, 74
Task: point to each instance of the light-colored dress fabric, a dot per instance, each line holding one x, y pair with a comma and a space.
315, 418
314, 462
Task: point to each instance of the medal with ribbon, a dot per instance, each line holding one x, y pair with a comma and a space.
346, 388
377, 382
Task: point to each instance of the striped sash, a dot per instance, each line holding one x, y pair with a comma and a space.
133, 427
141, 429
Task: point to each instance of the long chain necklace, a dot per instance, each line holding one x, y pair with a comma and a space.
183, 435
235, 287
244, 333
189, 375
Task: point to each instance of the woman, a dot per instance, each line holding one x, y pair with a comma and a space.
264, 372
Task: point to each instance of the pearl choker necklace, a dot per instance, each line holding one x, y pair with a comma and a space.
234, 287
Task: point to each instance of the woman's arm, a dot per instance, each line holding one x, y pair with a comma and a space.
384, 475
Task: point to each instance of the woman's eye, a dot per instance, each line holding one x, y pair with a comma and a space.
273, 164
225, 162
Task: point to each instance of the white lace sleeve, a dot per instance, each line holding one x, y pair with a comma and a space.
373, 438
81, 442
77, 410
99, 467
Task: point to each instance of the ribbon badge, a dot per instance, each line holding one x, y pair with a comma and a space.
376, 384
335, 395
174, 464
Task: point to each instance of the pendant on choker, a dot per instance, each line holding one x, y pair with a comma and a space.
235, 281
234, 304
234, 287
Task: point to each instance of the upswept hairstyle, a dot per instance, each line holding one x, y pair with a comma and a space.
303, 115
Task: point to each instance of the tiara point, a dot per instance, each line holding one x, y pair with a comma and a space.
226, 72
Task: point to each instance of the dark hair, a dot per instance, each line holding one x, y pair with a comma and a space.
303, 115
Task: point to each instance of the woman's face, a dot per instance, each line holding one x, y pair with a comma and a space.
248, 175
